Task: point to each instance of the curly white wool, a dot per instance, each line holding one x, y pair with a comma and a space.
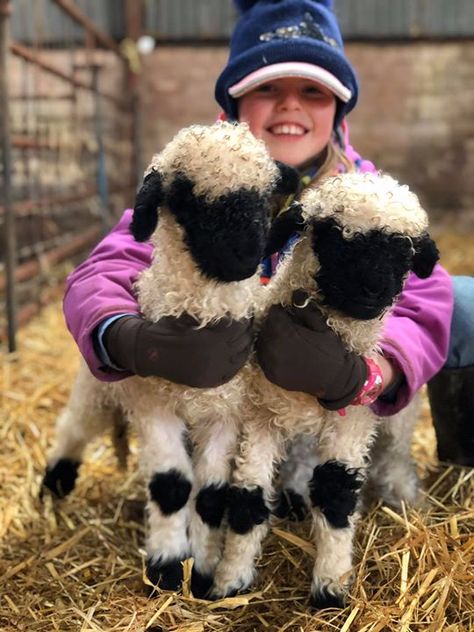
229, 153
360, 202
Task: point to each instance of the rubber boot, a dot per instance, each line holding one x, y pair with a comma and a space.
451, 395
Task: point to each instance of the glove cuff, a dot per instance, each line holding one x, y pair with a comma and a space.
371, 390
359, 375
120, 342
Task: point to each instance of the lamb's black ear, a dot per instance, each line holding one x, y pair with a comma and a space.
145, 214
426, 256
285, 225
289, 179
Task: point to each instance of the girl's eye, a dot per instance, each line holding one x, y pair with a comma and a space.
266, 88
312, 91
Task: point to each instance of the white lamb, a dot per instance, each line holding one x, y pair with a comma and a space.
206, 205
361, 236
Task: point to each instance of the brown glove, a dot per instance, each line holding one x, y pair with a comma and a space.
177, 350
299, 352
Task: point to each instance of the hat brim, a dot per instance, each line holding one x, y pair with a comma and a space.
291, 69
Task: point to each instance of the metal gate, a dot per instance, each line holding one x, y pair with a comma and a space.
67, 128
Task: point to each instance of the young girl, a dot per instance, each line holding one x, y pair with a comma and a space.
288, 78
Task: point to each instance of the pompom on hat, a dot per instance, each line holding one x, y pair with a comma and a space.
286, 38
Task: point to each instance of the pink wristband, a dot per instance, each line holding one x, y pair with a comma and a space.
373, 385
371, 389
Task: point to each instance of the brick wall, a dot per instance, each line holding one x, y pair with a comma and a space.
415, 116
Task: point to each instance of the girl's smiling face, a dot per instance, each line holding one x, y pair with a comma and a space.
293, 116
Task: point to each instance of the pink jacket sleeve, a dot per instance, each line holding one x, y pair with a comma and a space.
416, 334
102, 286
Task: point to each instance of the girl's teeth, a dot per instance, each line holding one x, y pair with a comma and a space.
294, 130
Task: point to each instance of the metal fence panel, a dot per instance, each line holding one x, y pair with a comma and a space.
70, 136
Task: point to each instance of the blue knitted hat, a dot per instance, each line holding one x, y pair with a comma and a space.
286, 38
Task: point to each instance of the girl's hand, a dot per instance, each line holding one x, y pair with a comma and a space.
299, 352
177, 350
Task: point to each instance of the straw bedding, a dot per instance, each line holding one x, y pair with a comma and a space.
78, 565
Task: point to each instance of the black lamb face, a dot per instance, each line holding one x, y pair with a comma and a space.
226, 237
360, 276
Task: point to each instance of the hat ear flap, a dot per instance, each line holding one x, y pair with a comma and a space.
285, 225
425, 257
145, 214
289, 179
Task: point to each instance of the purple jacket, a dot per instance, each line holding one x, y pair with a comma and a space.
416, 335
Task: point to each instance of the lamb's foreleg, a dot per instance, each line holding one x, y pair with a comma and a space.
87, 414
166, 468
334, 491
215, 446
250, 499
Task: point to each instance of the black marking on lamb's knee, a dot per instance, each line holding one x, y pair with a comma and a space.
247, 508
334, 489
61, 477
165, 575
201, 584
170, 490
211, 503
322, 598
291, 505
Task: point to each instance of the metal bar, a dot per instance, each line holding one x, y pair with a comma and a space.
78, 16
29, 310
102, 179
41, 97
26, 142
25, 314
10, 237
27, 207
30, 55
134, 18
134, 21
76, 244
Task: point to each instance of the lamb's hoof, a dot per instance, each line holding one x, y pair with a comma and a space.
201, 584
291, 505
321, 598
231, 588
232, 591
61, 477
215, 594
165, 575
